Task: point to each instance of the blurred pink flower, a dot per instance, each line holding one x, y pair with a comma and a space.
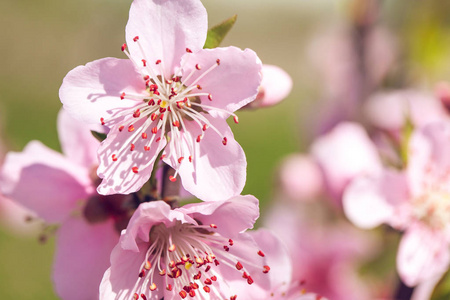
196, 250
301, 178
342, 154
415, 201
324, 259
60, 189
391, 110
170, 95
276, 85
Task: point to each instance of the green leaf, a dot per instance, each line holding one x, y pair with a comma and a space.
99, 136
217, 33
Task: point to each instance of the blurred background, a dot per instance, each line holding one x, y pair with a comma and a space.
42, 40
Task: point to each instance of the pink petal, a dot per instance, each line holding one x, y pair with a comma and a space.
232, 84
77, 142
14, 217
124, 170
345, 153
428, 155
242, 210
218, 171
82, 256
371, 201
165, 29
44, 181
276, 85
119, 280
93, 91
423, 254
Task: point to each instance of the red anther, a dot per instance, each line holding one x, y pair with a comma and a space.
172, 264
132, 147
122, 96
158, 139
173, 179
142, 273
182, 294
135, 170
151, 102
121, 128
146, 77
266, 269
144, 135
137, 113
260, 253
124, 46
102, 120
218, 61
154, 130
213, 225
216, 262
224, 141
207, 281
245, 275
233, 297
180, 159
207, 268
177, 273
135, 296
199, 260
144, 62
198, 67
136, 38
213, 278
226, 248
152, 287
162, 157
199, 138
161, 117
172, 248
188, 50
146, 148
162, 272
180, 104
176, 79
176, 123
194, 286
239, 266
198, 275
199, 87
114, 157
169, 81
130, 128
169, 287
205, 127
147, 265
210, 97
192, 293
236, 119
206, 289
158, 62
143, 297
249, 280
162, 109
230, 241
153, 116
190, 158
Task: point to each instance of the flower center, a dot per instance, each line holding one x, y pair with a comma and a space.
188, 257
433, 207
166, 107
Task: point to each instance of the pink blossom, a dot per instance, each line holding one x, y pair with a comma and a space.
275, 86
198, 250
301, 178
170, 95
415, 201
324, 258
344, 153
60, 189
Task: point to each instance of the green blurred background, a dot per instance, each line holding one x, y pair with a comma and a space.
41, 40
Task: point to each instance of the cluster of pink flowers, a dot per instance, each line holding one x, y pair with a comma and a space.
118, 235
